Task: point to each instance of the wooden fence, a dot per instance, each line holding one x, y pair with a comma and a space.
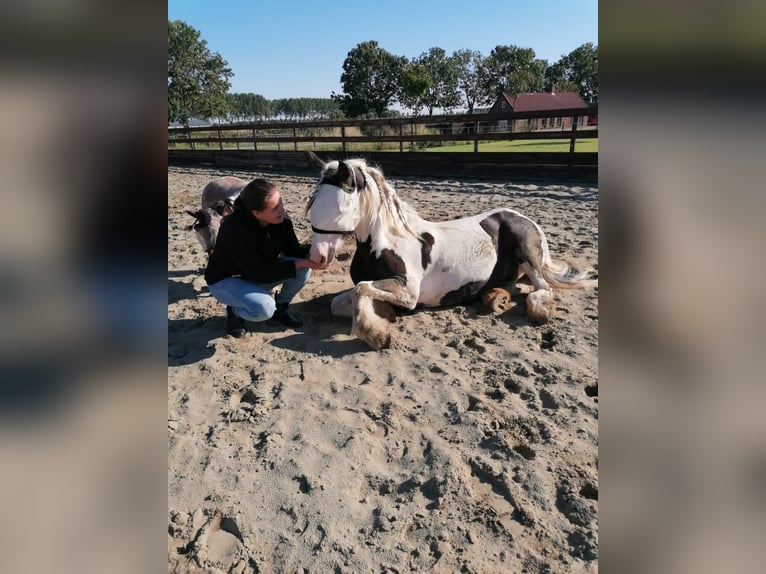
395, 144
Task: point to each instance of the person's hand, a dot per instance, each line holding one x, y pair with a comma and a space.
303, 263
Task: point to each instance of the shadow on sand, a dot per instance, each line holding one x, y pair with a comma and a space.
320, 329
308, 343
189, 339
193, 340
179, 290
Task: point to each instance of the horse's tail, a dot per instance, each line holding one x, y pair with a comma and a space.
562, 275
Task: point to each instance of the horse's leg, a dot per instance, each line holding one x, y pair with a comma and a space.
394, 291
372, 311
342, 305
368, 325
540, 302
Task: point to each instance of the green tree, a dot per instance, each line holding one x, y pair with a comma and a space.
514, 70
555, 76
198, 80
471, 75
370, 80
443, 92
248, 107
415, 83
577, 71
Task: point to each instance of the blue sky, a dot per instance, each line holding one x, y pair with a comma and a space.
296, 48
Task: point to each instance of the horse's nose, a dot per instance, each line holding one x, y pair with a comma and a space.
322, 260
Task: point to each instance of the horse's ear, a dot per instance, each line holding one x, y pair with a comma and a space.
201, 218
315, 162
195, 216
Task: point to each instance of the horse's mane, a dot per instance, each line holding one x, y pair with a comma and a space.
380, 202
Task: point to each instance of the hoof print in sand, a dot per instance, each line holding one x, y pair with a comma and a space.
246, 406
548, 340
217, 544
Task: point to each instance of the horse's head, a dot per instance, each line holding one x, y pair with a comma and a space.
206, 224
333, 207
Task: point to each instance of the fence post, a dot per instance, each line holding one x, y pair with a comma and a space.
255, 143
401, 138
295, 141
343, 135
574, 136
220, 143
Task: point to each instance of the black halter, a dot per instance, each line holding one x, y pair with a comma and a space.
327, 232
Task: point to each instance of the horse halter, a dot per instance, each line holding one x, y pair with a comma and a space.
329, 232
354, 171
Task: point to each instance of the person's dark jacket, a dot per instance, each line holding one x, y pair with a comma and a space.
248, 249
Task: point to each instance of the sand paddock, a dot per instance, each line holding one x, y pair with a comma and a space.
471, 446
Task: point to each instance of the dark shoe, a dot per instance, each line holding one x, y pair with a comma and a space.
283, 315
235, 326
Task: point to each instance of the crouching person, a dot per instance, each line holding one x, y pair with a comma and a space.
256, 251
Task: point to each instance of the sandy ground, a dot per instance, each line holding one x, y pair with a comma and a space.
472, 446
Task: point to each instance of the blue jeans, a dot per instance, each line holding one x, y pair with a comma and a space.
253, 301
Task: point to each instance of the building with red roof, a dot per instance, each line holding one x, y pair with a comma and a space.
541, 101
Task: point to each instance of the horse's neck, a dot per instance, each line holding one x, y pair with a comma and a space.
386, 217
367, 228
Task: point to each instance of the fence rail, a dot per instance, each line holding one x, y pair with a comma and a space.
409, 134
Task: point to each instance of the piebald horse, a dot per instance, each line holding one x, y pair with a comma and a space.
406, 261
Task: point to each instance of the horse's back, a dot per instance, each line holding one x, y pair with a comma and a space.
221, 189
504, 212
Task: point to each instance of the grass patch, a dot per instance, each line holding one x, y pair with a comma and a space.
583, 145
556, 145
587, 145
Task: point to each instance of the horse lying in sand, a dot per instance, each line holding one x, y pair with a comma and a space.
218, 198
406, 261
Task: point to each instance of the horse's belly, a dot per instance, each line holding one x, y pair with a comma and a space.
463, 263
446, 286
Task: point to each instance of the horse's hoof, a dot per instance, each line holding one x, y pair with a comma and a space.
497, 300
380, 342
376, 339
540, 306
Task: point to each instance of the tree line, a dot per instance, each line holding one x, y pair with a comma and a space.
373, 80
254, 107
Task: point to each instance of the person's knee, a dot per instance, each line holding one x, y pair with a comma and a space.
260, 309
303, 274
269, 307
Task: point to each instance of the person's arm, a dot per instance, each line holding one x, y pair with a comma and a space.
292, 246
240, 245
